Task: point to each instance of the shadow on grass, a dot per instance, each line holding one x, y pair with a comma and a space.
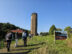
27, 50
37, 44
17, 53
24, 49
32, 44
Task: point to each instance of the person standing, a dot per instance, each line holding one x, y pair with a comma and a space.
16, 39
24, 37
30, 35
8, 39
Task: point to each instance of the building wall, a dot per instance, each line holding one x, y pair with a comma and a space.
34, 23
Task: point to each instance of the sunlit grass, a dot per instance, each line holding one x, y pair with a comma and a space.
44, 45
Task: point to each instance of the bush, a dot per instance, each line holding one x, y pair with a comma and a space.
44, 33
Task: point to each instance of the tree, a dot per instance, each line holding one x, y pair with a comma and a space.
68, 29
5, 27
58, 29
52, 29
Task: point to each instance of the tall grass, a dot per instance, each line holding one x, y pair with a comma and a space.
51, 47
1, 44
46, 45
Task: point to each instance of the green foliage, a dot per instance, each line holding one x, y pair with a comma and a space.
58, 29
44, 33
42, 45
5, 27
51, 47
52, 29
1, 44
68, 29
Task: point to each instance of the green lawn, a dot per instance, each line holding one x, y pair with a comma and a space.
42, 45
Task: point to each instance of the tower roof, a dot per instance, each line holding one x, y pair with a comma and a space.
34, 13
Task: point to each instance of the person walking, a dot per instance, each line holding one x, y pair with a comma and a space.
30, 35
24, 37
16, 39
8, 39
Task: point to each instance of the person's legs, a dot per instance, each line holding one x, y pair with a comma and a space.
8, 45
16, 42
25, 41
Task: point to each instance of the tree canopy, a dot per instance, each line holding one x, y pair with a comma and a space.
5, 27
67, 29
58, 29
52, 29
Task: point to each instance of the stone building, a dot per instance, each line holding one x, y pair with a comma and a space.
34, 23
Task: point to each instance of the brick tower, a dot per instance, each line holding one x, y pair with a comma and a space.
34, 23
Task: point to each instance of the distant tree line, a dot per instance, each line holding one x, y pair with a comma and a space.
5, 27
51, 31
53, 28
44, 33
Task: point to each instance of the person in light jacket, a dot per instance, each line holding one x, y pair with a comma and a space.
16, 39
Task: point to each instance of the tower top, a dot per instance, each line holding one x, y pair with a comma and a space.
34, 13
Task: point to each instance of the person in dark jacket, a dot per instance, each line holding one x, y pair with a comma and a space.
24, 37
8, 39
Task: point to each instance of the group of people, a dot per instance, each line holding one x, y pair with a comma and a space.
9, 37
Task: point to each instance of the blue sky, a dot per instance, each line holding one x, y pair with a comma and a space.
18, 12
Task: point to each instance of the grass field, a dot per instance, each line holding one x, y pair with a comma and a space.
42, 45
